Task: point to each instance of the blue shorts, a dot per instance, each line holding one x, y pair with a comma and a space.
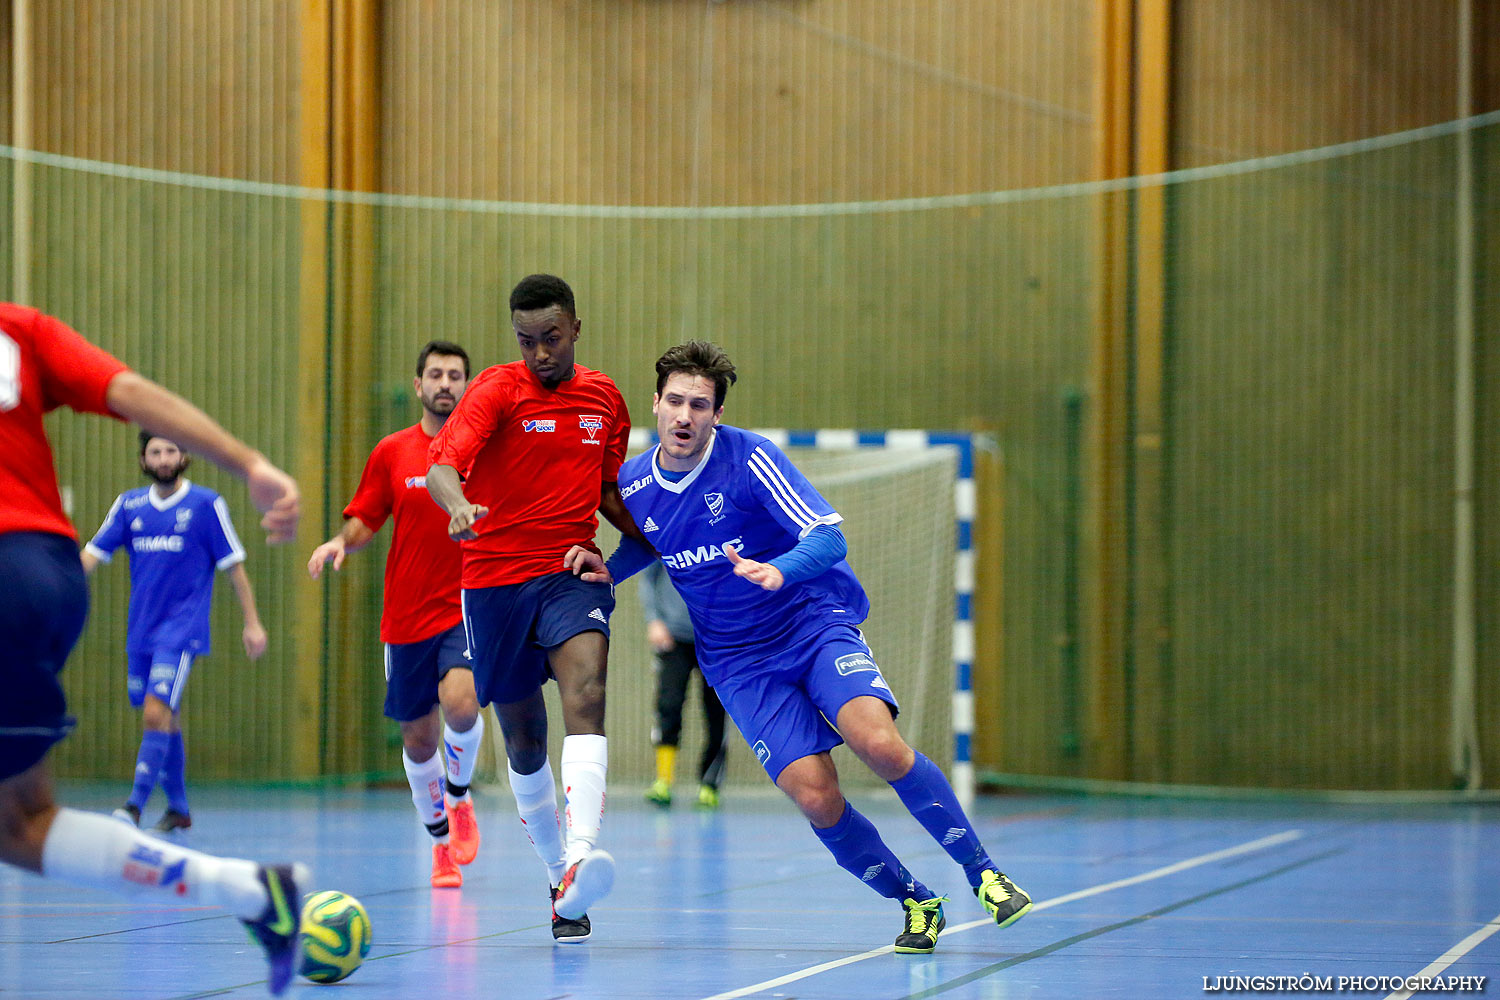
413, 670
162, 673
46, 603
782, 701
511, 628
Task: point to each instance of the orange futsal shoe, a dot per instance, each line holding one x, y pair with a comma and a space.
463, 831
445, 874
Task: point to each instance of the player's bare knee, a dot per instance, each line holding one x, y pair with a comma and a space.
885, 753
418, 750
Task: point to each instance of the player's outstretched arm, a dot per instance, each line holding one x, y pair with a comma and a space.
254, 635
353, 536
447, 491
161, 410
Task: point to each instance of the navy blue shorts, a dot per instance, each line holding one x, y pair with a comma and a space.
414, 669
46, 603
511, 628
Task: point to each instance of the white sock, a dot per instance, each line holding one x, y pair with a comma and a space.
460, 749
536, 800
426, 781
585, 759
100, 852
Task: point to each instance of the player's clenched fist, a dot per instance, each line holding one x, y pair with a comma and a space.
461, 522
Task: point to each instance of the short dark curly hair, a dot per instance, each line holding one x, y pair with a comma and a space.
698, 357
538, 291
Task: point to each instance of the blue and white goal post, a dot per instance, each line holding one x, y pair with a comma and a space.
957, 450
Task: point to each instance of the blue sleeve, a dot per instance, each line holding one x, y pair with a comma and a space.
223, 543
111, 534
782, 489
629, 558
818, 550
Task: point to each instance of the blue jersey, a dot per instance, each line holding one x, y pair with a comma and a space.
175, 546
746, 493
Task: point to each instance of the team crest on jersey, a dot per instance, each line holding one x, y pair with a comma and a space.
136, 525
539, 426
591, 425
715, 503
416, 482
184, 518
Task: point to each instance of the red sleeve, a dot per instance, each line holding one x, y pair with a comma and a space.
471, 423
75, 373
372, 500
619, 439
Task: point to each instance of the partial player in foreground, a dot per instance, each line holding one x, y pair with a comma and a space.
421, 622
45, 364
177, 534
528, 457
758, 556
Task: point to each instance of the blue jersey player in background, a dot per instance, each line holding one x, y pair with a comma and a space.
758, 556
178, 534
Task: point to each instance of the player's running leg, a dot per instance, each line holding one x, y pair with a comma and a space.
174, 782
579, 666
812, 783
524, 724
425, 778
463, 732
156, 740
87, 849
867, 726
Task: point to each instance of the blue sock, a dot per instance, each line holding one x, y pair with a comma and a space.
148, 766
858, 849
174, 774
926, 793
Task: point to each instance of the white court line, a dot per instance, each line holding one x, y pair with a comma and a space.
1453, 954
1286, 836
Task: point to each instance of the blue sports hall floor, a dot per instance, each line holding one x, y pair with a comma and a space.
1135, 897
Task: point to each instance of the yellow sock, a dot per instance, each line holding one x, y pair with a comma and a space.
666, 763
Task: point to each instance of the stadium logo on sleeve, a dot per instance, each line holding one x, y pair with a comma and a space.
762, 752
539, 426
591, 424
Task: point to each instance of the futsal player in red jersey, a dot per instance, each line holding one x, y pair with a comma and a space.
420, 621
529, 455
45, 364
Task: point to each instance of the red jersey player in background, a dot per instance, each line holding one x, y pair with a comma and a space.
45, 364
530, 454
420, 622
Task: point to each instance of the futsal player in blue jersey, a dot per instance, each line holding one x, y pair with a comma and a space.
758, 556
178, 534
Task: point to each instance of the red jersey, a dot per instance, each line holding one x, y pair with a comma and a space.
537, 458
44, 364
423, 565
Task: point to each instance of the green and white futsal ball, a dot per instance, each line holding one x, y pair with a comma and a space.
335, 936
